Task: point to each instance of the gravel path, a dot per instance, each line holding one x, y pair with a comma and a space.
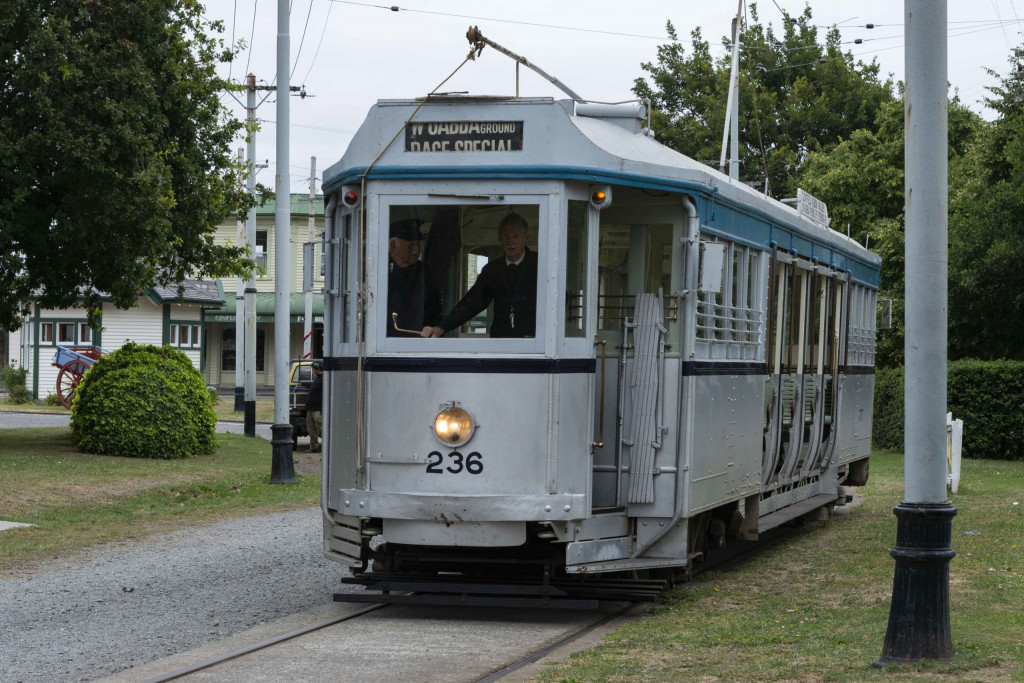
110, 608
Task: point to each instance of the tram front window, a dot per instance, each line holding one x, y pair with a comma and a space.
458, 270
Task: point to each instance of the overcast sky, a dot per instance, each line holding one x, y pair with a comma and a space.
349, 54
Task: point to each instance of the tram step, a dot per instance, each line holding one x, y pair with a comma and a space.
790, 512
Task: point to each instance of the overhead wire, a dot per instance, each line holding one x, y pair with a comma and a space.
323, 32
252, 35
301, 40
396, 8
234, 22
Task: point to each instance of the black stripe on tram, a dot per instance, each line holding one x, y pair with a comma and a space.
702, 368
860, 370
546, 366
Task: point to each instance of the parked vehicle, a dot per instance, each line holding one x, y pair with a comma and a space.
73, 361
300, 378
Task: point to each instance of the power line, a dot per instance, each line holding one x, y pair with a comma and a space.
252, 35
234, 22
396, 8
301, 40
321, 42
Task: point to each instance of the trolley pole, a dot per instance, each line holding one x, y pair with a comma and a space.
919, 614
283, 467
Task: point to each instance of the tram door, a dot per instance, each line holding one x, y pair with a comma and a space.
636, 315
804, 323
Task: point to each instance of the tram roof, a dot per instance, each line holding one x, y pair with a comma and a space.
557, 142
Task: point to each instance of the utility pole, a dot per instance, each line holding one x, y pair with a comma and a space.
239, 326
307, 338
732, 117
250, 241
282, 467
919, 614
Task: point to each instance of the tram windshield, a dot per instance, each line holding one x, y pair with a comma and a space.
462, 270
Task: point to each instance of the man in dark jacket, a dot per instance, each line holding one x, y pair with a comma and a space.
413, 295
314, 407
510, 282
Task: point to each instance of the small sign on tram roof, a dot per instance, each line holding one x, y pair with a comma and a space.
464, 136
812, 208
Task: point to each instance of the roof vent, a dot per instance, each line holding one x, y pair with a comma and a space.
628, 115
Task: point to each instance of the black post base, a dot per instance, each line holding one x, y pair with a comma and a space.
282, 468
919, 615
239, 399
250, 418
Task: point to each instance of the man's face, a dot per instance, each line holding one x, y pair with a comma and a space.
404, 252
513, 241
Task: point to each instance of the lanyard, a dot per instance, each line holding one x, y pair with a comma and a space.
513, 294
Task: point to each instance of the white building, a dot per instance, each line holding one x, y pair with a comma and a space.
159, 317
201, 323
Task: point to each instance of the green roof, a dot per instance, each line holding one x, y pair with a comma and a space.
265, 308
300, 206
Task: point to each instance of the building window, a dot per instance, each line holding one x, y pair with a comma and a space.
66, 333
228, 348
184, 335
261, 248
46, 333
84, 333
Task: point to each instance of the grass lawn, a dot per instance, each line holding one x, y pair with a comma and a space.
77, 499
224, 408
9, 406
815, 607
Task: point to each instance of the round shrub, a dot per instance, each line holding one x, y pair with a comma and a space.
143, 402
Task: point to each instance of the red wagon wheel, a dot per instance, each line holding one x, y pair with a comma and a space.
67, 380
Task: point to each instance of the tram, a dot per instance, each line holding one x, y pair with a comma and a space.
686, 360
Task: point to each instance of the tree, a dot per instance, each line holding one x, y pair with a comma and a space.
986, 230
144, 402
797, 96
115, 157
862, 181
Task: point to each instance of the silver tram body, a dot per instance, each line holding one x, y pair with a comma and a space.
702, 365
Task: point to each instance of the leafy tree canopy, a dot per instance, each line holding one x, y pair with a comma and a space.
986, 235
115, 157
862, 180
797, 96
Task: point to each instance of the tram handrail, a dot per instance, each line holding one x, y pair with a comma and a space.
594, 445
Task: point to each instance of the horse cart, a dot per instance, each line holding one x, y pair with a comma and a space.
73, 361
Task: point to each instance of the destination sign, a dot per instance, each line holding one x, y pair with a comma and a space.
464, 136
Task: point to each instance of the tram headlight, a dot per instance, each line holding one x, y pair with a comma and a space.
453, 426
600, 196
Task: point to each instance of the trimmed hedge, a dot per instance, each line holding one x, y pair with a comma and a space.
987, 395
143, 402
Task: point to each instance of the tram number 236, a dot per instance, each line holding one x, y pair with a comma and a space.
471, 463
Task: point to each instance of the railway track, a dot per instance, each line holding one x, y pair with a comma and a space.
512, 639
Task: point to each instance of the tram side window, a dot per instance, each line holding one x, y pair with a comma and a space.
576, 270
459, 270
861, 341
730, 323
632, 258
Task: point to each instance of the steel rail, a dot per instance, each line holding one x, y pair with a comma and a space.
261, 645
